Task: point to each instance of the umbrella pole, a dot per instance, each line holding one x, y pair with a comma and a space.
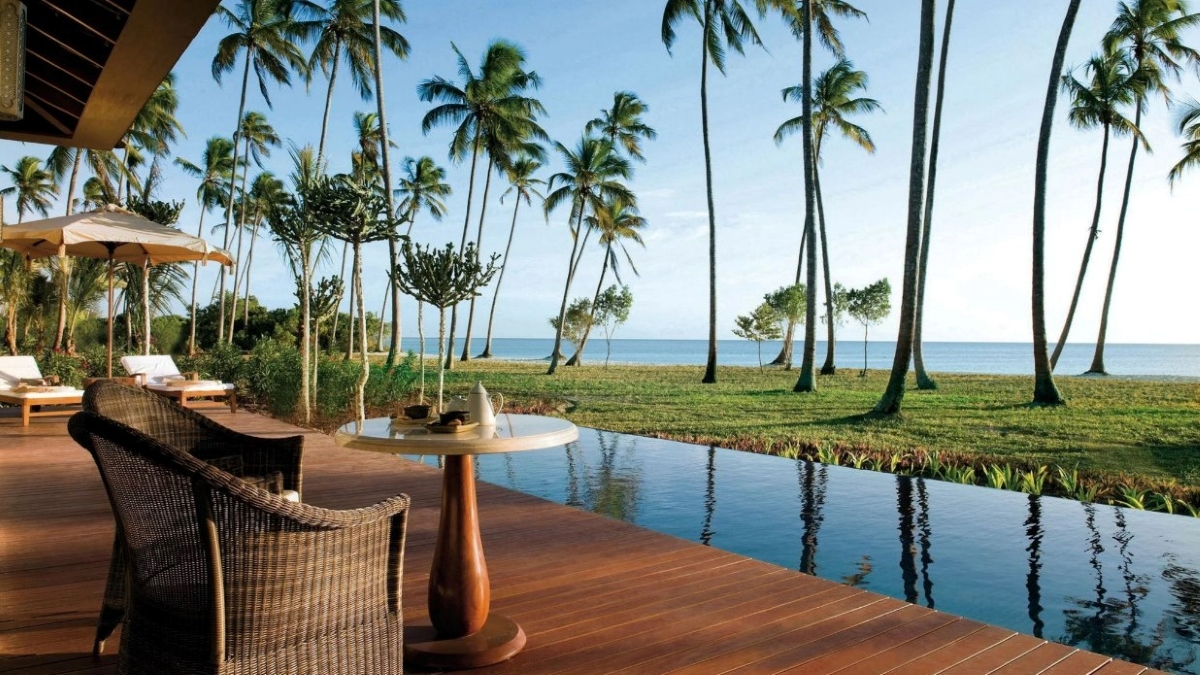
146, 309
110, 315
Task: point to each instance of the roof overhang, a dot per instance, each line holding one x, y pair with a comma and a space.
91, 65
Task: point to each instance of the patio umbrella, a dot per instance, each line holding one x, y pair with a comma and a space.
114, 234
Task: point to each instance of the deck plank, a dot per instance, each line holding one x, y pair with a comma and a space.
594, 595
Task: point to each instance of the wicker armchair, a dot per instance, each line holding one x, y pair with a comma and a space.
226, 577
186, 430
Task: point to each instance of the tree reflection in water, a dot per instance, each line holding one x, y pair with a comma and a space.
925, 535
908, 547
1033, 530
611, 488
710, 496
814, 481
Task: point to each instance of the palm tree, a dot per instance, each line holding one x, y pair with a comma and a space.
346, 30
720, 20
258, 136
153, 130
1113, 85
1149, 32
365, 163
590, 181
890, 403
832, 100
214, 172
32, 185
924, 381
622, 124
615, 222
380, 40
492, 115
87, 289
264, 30
523, 186
267, 193
1189, 127
66, 163
820, 19
1045, 392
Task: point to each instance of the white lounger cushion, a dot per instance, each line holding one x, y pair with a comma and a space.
155, 368
13, 369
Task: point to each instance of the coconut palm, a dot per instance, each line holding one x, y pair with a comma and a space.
523, 186
890, 402
1045, 392
32, 186
491, 113
1112, 86
267, 193
821, 20
832, 100
924, 381
422, 187
88, 285
1149, 32
263, 29
379, 41
591, 180
623, 125
258, 137
68, 163
365, 168
346, 30
214, 173
616, 222
153, 130
1189, 127
724, 23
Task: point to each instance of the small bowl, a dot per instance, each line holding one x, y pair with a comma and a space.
451, 415
416, 412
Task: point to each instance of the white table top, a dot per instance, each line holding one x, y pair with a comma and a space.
510, 434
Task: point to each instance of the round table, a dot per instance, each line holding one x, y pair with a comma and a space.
463, 633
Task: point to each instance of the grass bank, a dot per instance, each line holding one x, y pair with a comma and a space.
1112, 426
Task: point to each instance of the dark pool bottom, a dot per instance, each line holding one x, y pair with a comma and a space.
1110, 580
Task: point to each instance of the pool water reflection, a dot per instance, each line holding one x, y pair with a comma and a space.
1115, 581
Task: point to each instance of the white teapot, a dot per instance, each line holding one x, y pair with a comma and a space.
483, 408
456, 403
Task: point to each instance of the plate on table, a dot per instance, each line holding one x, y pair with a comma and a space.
402, 421
451, 428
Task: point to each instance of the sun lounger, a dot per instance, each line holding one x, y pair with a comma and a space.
159, 374
22, 384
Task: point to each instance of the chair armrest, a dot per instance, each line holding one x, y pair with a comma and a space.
260, 456
53, 380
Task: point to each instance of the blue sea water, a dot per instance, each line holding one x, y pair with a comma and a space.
997, 358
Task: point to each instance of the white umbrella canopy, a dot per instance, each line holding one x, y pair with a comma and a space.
114, 234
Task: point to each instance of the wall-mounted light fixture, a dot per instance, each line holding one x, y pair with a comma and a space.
12, 60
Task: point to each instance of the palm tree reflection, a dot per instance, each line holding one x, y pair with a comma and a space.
925, 535
710, 496
908, 549
1033, 530
613, 487
814, 481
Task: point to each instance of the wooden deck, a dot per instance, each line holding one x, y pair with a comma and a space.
594, 595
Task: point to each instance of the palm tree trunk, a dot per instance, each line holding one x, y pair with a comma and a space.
241, 228
487, 186
361, 386
893, 396
577, 359
864, 370
421, 338
562, 310
64, 264
316, 359
237, 127
487, 345
195, 280
146, 309
337, 312
829, 367
382, 311
1093, 234
1098, 357
807, 382
337, 55
449, 365
249, 266
381, 110
305, 333
1044, 390
710, 368
351, 314
924, 381
441, 356
789, 333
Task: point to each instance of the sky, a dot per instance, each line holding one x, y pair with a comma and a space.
585, 50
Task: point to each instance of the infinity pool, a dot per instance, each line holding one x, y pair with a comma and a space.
1115, 581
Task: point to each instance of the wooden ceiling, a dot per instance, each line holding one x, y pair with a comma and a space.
90, 65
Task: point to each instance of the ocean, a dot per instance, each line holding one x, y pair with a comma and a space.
996, 358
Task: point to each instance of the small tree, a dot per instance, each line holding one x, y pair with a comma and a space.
323, 302
612, 310
790, 304
868, 306
578, 319
443, 279
762, 324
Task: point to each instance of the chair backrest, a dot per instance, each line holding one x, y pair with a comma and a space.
149, 413
154, 368
13, 369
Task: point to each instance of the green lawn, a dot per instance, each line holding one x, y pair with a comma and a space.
1109, 425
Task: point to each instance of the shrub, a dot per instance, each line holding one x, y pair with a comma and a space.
70, 369
273, 375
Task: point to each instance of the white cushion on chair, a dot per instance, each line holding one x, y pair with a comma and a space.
13, 369
154, 368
